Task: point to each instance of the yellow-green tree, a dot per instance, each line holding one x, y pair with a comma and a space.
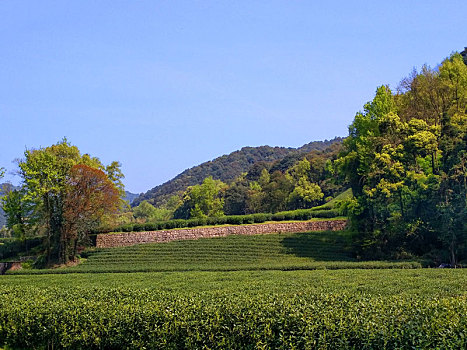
46, 174
203, 200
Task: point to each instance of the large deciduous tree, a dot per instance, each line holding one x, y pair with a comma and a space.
50, 177
20, 214
89, 195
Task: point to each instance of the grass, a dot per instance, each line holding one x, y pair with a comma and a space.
332, 203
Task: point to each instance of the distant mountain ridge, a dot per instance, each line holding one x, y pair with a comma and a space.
227, 167
130, 197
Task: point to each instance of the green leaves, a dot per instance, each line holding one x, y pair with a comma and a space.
51, 192
203, 200
405, 159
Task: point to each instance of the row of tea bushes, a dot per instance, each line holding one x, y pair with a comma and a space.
125, 318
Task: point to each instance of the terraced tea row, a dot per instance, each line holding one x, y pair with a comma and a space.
313, 250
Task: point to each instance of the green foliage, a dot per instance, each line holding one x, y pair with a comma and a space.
201, 201
16, 210
47, 187
293, 183
12, 247
405, 160
114, 173
299, 214
286, 251
147, 212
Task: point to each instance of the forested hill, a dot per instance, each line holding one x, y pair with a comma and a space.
227, 167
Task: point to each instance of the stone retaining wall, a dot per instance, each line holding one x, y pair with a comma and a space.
131, 238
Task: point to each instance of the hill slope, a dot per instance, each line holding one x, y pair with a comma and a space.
227, 167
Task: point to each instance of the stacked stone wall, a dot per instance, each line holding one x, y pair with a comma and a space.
132, 238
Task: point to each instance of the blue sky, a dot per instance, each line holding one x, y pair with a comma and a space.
162, 86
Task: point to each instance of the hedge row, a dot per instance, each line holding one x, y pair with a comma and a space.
301, 214
11, 247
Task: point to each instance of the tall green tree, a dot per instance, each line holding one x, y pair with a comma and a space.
203, 200
45, 174
145, 212
305, 194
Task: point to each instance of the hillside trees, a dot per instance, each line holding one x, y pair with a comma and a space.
69, 191
305, 194
236, 197
203, 200
228, 167
145, 211
405, 161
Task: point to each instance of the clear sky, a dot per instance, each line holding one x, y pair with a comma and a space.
162, 86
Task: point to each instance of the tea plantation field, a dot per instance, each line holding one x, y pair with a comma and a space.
285, 291
322, 309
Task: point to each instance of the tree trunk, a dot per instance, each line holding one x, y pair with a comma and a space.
452, 249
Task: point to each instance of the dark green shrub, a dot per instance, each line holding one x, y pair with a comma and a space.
212, 221
261, 217
138, 227
127, 228
180, 223
151, 226
248, 219
11, 247
234, 220
168, 225
332, 213
278, 217
193, 222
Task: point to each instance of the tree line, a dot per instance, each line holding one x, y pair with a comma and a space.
406, 161
227, 168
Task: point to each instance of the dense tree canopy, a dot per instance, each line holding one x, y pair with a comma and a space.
405, 159
89, 195
68, 192
202, 200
